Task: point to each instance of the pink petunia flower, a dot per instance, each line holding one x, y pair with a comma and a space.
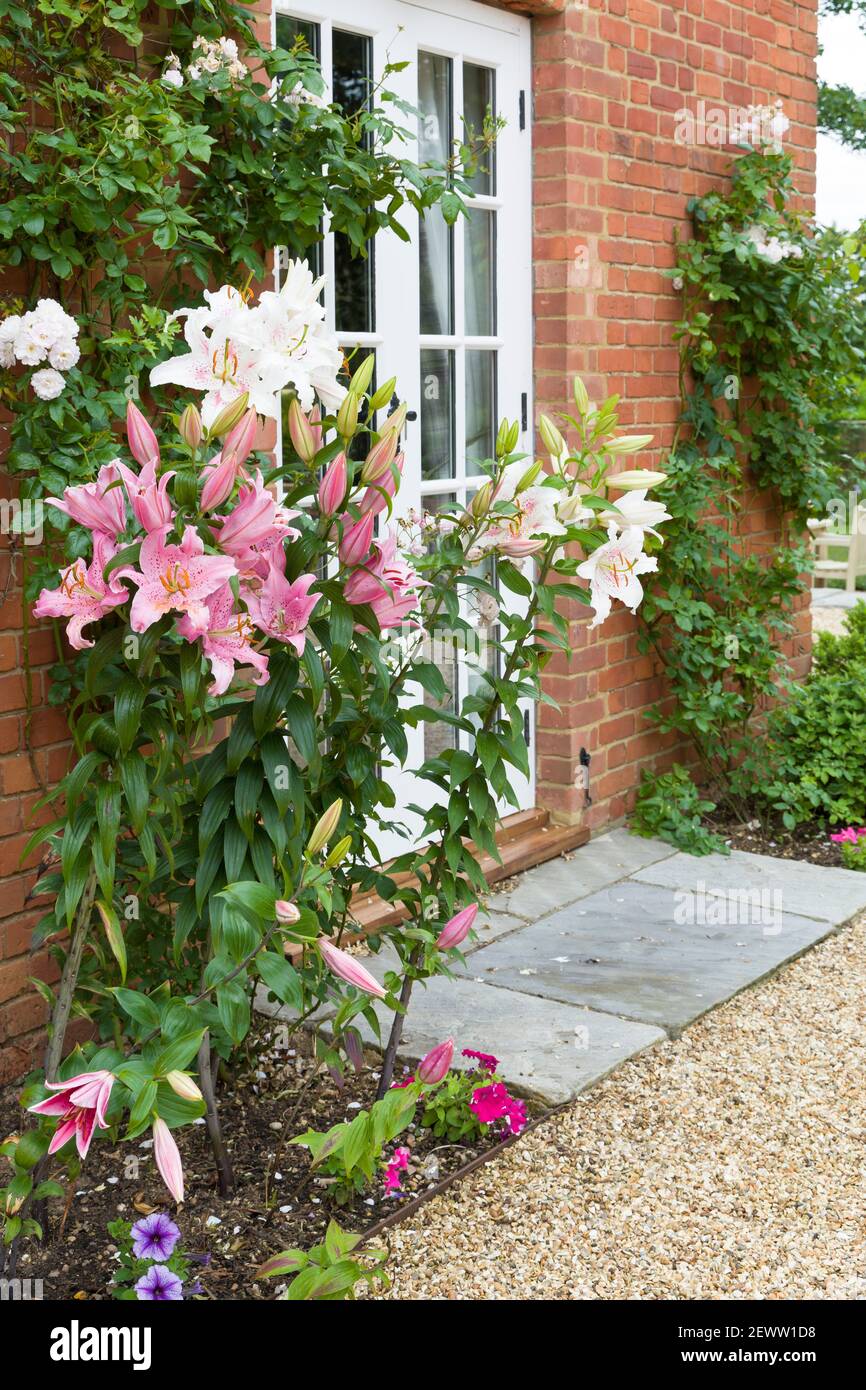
491, 1103
396, 1165
485, 1060
281, 609
849, 835
83, 595
227, 640
176, 578
80, 1104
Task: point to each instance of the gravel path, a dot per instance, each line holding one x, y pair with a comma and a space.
829, 620
729, 1164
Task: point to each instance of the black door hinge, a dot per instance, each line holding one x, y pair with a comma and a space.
524, 411
521, 110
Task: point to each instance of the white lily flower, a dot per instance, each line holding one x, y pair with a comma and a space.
613, 571
635, 509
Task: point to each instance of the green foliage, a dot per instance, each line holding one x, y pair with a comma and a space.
349, 1153
329, 1271
854, 855
814, 764
446, 1106
671, 807
766, 349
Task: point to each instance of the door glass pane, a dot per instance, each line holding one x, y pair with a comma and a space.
435, 241
354, 284
437, 413
478, 99
288, 29
480, 406
479, 269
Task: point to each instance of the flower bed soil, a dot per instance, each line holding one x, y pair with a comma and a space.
277, 1094
810, 843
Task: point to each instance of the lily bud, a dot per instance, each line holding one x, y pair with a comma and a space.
183, 1085
518, 547
230, 415
357, 539
397, 419
382, 395
347, 416
190, 427
363, 376
219, 479
374, 498
348, 968
457, 929
339, 852
143, 443
167, 1158
550, 436
507, 437
529, 477
239, 440
380, 458
315, 420
300, 433
482, 501
572, 508
324, 828
581, 396
332, 488
436, 1065
634, 478
286, 912
628, 443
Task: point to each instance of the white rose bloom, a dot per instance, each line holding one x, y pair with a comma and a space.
64, 354
29, 348
47, 384
173, 77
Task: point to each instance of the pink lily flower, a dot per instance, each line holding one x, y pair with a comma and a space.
436, 1065
386, 583
83, 595
147, 495
458, 928
97, 505
348, 968
220, 476
143, 443
167, 1158
255, 528
175, 578
281, 609
80, 1105
227, 641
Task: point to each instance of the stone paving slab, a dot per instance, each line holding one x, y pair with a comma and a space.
548, 1050
624, 951
603, 861
837, 598
810, 890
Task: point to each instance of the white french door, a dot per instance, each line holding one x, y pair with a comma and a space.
448, 312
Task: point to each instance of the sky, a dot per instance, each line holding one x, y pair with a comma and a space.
841, 197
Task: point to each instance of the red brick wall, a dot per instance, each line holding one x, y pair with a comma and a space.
610, 187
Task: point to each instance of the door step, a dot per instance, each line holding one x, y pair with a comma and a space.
524, 839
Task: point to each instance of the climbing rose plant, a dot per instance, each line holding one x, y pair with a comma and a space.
251, 644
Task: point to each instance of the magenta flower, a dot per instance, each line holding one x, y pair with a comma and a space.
435, 1066
80, 1105
83, 595
227, 640
396, 1165
99, 506
281, 609
167, 1158
348, 968
154, 1237
175, 578
490, 1103
159, 1285
485, 1060
357, 539
457, 929
255, 528
849, 835
147, 495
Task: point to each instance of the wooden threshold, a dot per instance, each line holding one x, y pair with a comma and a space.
524, 839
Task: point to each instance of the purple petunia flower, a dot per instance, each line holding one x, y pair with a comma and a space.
158, 1285
154, 1237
